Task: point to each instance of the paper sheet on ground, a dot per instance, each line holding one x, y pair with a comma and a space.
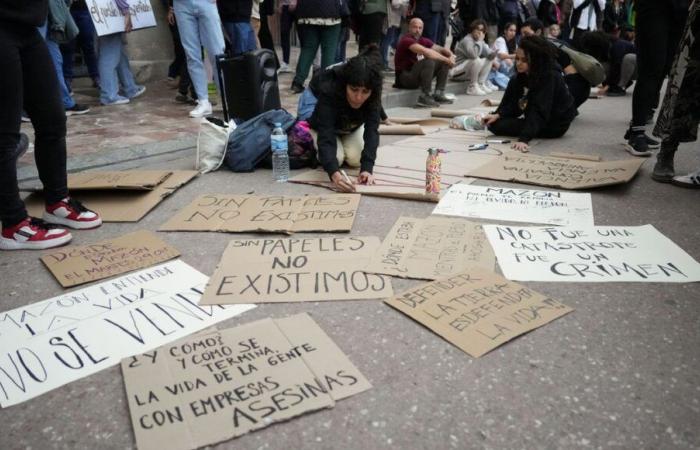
296, 270
214, 387
517, 205
80, 264
277, 214
120, 205
557, 172
50, 343
432, 248
477, 310
590, 254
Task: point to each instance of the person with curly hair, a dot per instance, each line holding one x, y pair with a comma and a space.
537, 102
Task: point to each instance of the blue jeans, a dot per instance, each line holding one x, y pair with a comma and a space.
200, 26
391, 38
85, 42
242, 37
57, 59
307, 104
113, 64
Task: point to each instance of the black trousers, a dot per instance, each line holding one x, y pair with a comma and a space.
286, 22
658, 32
370, 29
579, 88
508, 126
266, 38
421, 76
29, 79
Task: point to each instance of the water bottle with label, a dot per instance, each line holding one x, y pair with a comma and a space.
280, 156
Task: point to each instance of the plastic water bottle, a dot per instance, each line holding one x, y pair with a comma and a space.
280, 156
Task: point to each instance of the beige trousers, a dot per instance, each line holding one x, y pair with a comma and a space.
350, 146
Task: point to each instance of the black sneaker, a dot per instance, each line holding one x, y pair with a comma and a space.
616, 91
184, 98
440, 98
297, 88
77, 109
426, 101
637, 145
652, 144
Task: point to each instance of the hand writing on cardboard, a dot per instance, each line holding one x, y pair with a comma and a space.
341, 184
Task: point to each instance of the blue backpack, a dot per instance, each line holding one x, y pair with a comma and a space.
249, 144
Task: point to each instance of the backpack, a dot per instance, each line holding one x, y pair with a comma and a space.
300, 147
590, 68
249, 144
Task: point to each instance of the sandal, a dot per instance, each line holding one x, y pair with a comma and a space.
692, 180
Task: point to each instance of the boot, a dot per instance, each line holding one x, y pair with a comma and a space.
663, 170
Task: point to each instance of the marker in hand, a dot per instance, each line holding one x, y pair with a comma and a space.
345, 175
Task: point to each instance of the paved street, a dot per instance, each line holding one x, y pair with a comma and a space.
621, 371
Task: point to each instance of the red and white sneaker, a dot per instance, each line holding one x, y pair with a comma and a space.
71, 213
33, 234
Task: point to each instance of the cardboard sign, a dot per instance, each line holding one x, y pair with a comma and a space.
76, 265
278, 214
590, 254
50, 343
557, 172
296, 270
213, 387
478, 311
517, 205
126, 179
109, 20
120, 205
432, 248
412, 125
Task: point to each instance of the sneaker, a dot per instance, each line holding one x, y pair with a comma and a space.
77, 109
71, 213
637, 145
203, 109
284, 68
33, 234
119, 101
491, 86
441, 98
616, 91
297, 88
663, 169
22, 146
474, 89
653, 144
184, 98
692, 180
426, 101
139, 92
485, 88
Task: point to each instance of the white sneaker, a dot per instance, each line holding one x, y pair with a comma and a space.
284, 68
491, 86
485, 88
474, 89
203, 109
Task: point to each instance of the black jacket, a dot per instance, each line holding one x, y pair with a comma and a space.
547, 12
24, 12
235, 10
327, 9
547, 105
333, 116
486, 10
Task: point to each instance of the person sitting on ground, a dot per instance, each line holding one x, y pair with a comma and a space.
474, 58
503, 67
30, 81
618, 56
579, 87
537, 102
346, 115
413, 73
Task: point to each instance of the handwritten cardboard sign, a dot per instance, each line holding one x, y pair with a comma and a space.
76, 265
590, 254
278, 214
108, 19
476, 310
557, 172
213, 387
432, 248
53, 342
295, 270
121, 205
517, 205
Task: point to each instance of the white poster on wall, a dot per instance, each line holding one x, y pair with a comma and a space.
108, 19
517, 205
594, 254
53, 342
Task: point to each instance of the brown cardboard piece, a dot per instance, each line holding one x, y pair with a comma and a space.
276, 214
402, 129
491, 102
557, 172
569, 155
76, 265
213, 387
476, 310
412, 125
449, 113
432, 248
127, 179
120, 205
280, 270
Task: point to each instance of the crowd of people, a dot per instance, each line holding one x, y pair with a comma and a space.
545, 55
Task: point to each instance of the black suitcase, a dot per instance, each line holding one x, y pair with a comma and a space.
248, 84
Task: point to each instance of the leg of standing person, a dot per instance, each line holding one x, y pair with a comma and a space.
187, 23
86, 43
179, 59
67, 56
265, 38
371, 29
286, 21
310, 40
126, 77
108, 59
212, 38
340, 51
57, 58
255, 23
329, 39
384, 48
